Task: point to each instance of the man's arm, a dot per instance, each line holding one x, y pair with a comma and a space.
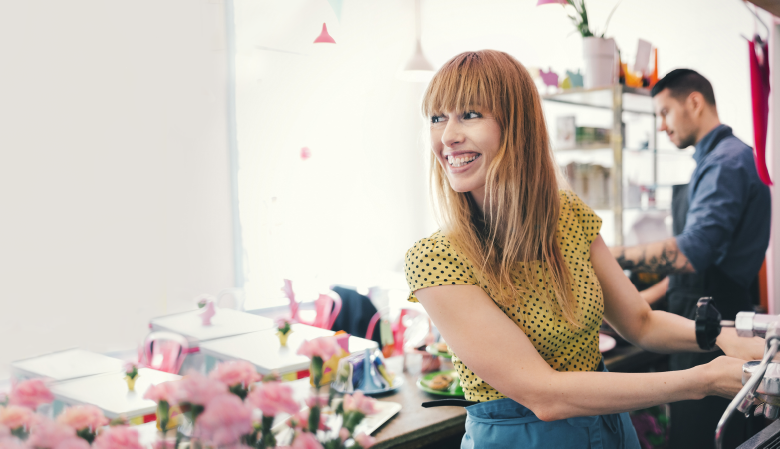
654, 293
663, 257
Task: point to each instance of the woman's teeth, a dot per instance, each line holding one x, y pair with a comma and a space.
461, 161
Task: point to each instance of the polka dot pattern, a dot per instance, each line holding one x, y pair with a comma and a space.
434, 261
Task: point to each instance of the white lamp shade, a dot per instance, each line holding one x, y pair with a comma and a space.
417, 68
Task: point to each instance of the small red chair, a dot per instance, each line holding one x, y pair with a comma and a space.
326, 308
164, 351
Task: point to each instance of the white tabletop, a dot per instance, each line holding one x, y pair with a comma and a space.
65, 365
225, 323
109, 392
264, 351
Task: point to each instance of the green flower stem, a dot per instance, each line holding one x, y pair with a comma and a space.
163, 410
314, 419
315, 371
352, 419
268, 440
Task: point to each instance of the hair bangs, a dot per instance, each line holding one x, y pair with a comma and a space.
460, 85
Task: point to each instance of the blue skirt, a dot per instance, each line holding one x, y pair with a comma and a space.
504, 423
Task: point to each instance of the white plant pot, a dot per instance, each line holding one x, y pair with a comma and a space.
599, 55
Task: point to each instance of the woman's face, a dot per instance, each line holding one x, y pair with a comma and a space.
464, 144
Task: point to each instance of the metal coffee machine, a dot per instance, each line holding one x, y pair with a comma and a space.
760, 393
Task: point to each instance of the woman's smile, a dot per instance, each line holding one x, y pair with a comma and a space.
462, 162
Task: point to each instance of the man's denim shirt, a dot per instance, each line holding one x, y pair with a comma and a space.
729, 214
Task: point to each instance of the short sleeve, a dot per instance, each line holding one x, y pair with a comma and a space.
574, 210
433, 261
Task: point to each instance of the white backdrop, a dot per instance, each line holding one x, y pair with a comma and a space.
113, 169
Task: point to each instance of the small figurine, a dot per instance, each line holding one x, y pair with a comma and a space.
131, 375
209, 311
575, 78
549, 77
283, 330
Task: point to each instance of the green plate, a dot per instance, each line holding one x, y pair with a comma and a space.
453, 391
431, 349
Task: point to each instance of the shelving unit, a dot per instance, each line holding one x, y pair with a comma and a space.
619, 101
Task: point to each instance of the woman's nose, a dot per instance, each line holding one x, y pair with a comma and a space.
453, 133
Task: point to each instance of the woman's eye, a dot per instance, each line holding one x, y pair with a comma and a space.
472, 114
437, 118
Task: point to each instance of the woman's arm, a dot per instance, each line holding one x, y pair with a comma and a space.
498, 351
655, 330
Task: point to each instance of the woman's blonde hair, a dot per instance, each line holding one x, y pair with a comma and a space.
521, 190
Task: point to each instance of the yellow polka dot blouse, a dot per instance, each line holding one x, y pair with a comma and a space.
434, 261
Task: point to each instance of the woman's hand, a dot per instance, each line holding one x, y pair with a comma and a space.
740, 347
723, 377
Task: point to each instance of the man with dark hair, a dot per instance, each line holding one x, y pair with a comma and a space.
721, 223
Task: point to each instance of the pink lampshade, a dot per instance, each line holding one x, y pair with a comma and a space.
324, 37
551, 2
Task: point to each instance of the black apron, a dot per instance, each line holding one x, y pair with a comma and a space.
693, 423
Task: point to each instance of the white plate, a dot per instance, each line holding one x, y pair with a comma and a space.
606, 343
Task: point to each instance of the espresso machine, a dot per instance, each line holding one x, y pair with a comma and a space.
760, 393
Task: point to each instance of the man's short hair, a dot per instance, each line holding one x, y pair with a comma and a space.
681, 82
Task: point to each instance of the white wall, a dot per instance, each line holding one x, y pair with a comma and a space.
114, 179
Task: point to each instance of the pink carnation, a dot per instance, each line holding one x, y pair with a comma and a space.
236, 372
273, 397
365, 441
83, 417
195, 388
120, 437
322, 347
15, 416
12, 443
165, 391
73, 443
47, 434
225, 420
305, 440
300, 420
30, 393
360, 403
343, 434
317, 401
164, 444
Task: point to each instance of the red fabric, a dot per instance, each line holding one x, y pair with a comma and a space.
759, 88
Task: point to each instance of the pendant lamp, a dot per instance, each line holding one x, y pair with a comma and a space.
324, 37
417, 68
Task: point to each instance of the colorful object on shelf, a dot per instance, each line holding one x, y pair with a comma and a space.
209, 310
131, 375
324, 37
549, 77
305, 153
654, 76
283, 330
759, 90
633, 79
574, 78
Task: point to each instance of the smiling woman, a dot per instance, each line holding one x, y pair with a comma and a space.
518, 279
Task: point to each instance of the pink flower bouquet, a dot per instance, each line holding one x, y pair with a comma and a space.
319, 350
84, 419
225, 421
120, 437
237, 375
30, 393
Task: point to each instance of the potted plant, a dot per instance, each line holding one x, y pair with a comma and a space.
599, 53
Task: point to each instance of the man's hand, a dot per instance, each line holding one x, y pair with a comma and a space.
662, 257
740, 347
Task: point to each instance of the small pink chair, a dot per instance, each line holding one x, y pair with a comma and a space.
164, 351
327, 308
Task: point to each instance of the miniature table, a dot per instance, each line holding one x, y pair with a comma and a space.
225, 323
109, 393
65, 365
263, 350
